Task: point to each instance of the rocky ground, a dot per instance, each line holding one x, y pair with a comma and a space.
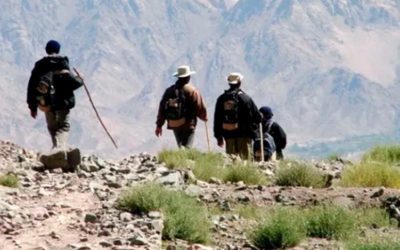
56, 210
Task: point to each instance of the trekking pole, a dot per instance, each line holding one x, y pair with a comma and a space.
208, 137
261, 143
94, 108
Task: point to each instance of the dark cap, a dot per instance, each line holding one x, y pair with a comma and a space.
52, 47
266, 112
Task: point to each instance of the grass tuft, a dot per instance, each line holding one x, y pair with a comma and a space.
208, 165
373, 243
9, 180
291, 173
371, 174
329, 222
185, 218
248, 173
384, 154
284, 228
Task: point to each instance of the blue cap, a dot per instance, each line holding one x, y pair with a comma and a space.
266, 112
52, 46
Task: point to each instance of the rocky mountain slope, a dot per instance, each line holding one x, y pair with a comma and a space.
55, 210
329, 69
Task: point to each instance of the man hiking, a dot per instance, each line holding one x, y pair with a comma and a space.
236, 119
274, 129
180, 106
50, 89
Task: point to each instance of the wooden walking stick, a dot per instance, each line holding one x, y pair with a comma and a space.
94, 108
262, 143
208, 137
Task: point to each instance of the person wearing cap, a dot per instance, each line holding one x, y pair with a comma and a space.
50, 89
180, 106
236, 119
274, 129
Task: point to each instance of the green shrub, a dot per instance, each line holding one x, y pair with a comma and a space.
185, 218
204, 165
182, 158
9, 180
284, 228
374, 243
371, 174
291, 173
329, 222
143, 199
208, 165
248, 173
386, 154
372, 217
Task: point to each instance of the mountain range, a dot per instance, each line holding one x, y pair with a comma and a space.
330, 69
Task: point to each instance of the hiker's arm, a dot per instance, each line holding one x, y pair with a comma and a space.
281, 135
201, 110
31, 93
160, 116
218, 121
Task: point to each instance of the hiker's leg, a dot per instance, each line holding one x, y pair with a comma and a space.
187, 138
230, 146
63, 127
279, 154
244, 148
178, 137
52, 126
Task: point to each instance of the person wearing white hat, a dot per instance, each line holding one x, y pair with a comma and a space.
236, 119
181, 105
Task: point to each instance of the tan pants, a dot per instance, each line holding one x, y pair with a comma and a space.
239, 146
58, 126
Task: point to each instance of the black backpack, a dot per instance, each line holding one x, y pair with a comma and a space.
175, 104
45, 89
269, 145
230, 118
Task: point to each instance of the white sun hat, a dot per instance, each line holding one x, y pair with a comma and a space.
183, 71
234, 78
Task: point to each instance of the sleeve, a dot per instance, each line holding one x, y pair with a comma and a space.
160, 116
31, 93
75, 81
218, 119
281, 135
201, 110
255, 118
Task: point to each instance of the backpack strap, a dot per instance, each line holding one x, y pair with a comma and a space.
269, 127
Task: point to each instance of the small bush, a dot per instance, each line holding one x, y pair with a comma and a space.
185, 218
372, 218
374, 243
142, 199
371, 174
247, 173
298, 174
9, 180
285, 228
329, 222
209, 165
178, 158
204, 165
386, 154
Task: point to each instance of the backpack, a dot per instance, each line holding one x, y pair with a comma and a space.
175, 107
230, 117
45, 91
269, 145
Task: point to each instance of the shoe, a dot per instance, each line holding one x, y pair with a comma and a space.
54, 160
74, 159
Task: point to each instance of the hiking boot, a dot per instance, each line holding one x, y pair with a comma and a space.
74, 159
58, 159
